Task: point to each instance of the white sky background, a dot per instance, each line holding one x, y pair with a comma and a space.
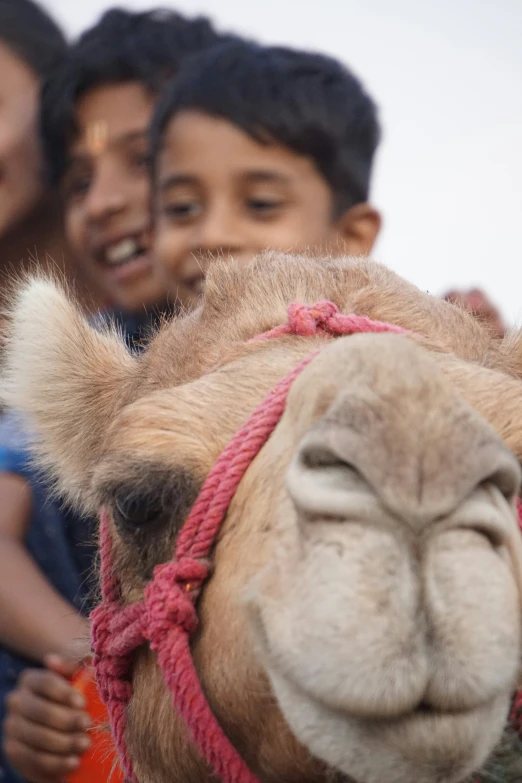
447, 76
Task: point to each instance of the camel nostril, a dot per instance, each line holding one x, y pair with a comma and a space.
318, 457
496, 538
321, 458
322, 484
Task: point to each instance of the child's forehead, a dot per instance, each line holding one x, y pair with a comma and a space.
16, 74
110, 114
201, 142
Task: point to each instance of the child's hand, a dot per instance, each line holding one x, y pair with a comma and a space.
45, 729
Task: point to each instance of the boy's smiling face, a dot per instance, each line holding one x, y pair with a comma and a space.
218, 192
107, 192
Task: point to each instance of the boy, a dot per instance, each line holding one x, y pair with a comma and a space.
257, 148
94, 118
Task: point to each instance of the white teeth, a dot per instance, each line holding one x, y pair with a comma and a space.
121, 251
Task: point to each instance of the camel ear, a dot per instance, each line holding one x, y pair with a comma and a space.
68, 379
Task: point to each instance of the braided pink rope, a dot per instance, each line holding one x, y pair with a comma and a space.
166, 618
325, 318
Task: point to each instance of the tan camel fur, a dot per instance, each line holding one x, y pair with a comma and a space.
362, 621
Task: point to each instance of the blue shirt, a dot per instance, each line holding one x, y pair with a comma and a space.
60, 543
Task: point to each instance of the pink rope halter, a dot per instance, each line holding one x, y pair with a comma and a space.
166, 618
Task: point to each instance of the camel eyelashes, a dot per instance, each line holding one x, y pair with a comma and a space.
161, 502
132, 511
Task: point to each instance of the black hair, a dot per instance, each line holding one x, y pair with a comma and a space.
145, 47
32, 35
307, 102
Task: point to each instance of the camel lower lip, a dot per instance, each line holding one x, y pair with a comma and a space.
422, 714
422, 719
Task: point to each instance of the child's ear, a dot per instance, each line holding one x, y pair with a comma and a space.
359, 228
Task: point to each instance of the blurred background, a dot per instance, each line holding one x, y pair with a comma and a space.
447, 77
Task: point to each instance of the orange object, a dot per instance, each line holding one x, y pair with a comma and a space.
99, 763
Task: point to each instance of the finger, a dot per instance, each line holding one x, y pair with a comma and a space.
39, 710
60, 665
39, 767
43, 738
51, 686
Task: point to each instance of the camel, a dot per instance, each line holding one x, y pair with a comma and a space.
361, 618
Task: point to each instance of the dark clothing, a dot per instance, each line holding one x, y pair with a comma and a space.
135, 328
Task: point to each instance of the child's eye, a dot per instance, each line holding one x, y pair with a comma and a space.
182, 210
77, 187
141, 160
263, 207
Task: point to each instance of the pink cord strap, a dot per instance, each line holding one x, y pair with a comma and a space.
167, 616
325, 318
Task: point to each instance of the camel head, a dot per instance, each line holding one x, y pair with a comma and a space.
362, 618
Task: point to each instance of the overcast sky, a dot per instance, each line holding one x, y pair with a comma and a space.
447, 76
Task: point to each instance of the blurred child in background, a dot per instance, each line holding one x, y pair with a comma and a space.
31, 228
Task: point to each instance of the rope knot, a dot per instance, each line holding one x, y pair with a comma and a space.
170, 596
306, 321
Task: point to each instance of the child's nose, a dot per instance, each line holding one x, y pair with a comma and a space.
106, 197
219, 234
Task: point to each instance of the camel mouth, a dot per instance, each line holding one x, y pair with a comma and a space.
423, 714
424, 709
426, 744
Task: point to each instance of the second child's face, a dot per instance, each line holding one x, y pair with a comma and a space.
107, 192
220, 193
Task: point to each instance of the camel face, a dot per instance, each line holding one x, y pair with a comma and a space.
373, 598
376, 576
363, 612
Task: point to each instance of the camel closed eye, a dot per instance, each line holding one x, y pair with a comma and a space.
132, 511
140, 506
